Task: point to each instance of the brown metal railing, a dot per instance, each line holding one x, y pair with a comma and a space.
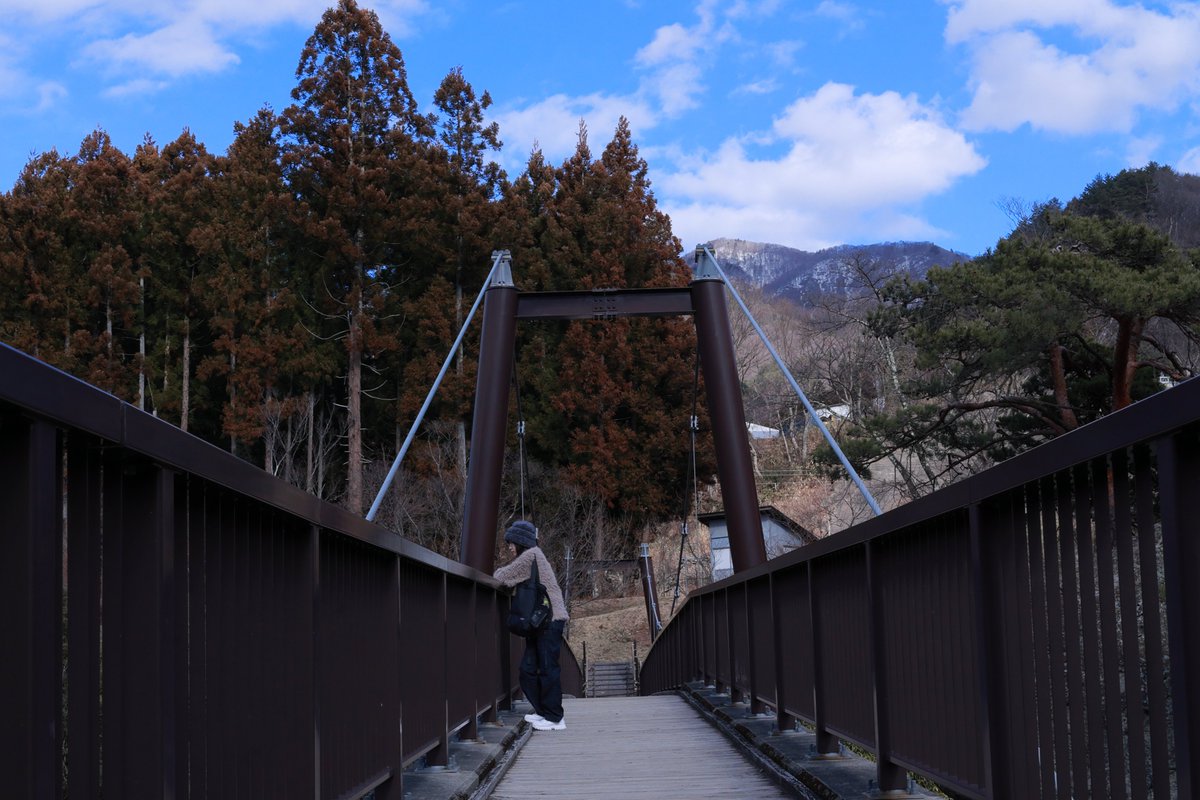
1032, 632
177, 623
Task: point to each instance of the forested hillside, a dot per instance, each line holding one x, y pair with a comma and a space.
292, 299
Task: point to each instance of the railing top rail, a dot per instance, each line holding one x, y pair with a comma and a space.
49, 393
1146, 420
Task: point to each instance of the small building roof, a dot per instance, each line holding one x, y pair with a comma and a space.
768, 512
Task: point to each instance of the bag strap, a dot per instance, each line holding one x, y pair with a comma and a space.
533, 571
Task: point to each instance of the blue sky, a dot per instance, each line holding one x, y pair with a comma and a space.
805, 123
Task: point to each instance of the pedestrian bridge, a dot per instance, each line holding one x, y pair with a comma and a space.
178, 623
645, 748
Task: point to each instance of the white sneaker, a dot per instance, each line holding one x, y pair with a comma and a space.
535, 717
546, 725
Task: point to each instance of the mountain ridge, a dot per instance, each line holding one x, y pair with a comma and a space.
802, 276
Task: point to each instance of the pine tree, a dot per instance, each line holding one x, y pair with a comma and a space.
105, 253
1065, 320
354, 120
609, 400
178, 191
39, 296
467, 207
261, 354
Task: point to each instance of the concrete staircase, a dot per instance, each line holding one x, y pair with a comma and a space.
612, 679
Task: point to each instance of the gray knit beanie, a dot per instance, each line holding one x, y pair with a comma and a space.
522, 534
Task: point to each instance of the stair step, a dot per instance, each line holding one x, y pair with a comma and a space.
611, 679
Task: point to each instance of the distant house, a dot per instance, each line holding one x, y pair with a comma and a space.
826, 413
780, 534
757, 431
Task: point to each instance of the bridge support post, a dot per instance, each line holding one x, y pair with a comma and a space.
723, 390
482, 499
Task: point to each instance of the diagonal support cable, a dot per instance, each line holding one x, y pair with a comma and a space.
498, 257
705, 251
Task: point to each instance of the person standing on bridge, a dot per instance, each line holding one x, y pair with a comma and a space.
540, 679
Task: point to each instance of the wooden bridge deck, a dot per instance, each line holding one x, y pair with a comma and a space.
656, 748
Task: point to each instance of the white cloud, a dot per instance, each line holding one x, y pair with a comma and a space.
1074, 66
851, 163
1189, 162
49, 94
848, 15
1141, 149
147, 43
783, 54
184, 47
670, 41
23, 94
673, 62
553, 124
754, 10
135, 87
765, 86
672, 69
40, 11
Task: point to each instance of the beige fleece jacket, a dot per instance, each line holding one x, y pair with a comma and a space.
518, 570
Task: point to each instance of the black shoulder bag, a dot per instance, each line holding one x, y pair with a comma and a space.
529, 612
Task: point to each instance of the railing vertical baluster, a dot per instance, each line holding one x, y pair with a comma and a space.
1061, 778
1123, 527
31, 598
393, 789
757, 706
140, 741
1108, 574
1068, 539
505, 641
439, 756
112, 659
1178, 479
1021, 670
492, 713
180, 590
471, 731
736, 694
1040, 623
889, 776
84, 460
313, 567
993, 727
45, 550
827, 743
1156, 688
783, 720
1094, 552
697, 639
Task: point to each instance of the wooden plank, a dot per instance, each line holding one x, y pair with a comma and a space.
635, 748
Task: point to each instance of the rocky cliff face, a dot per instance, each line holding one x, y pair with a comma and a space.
803, 276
